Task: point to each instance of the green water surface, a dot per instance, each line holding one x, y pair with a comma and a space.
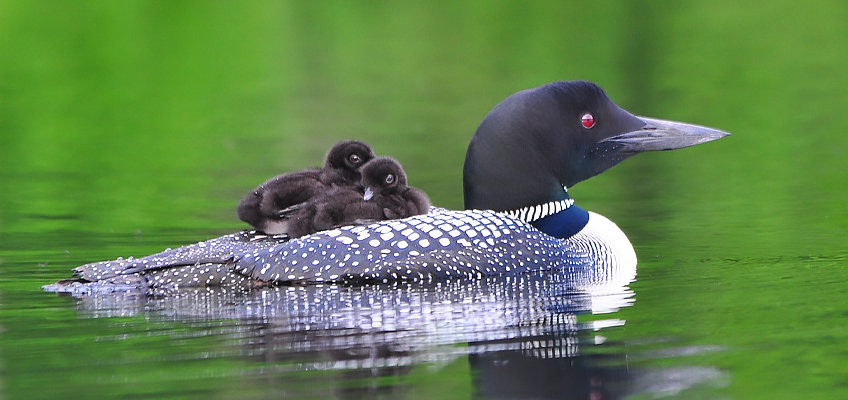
128, 127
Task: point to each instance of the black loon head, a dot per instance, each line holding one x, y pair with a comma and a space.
538, 141
347, 157
383, 175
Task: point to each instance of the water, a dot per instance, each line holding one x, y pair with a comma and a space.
126, 128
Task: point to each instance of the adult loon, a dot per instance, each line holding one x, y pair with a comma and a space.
383, 195
519, 218
263, 207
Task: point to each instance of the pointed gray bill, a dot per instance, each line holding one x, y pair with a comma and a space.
658, 134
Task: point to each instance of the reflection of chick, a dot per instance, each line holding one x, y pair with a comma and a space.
385, 184
265, 207
386, 197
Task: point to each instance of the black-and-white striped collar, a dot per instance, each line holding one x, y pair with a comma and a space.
537, 212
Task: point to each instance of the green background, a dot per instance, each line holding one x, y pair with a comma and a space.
127, 127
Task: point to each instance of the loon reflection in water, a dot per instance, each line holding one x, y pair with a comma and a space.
520, 219
521, 335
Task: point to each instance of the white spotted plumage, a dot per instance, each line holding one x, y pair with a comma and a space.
444, 243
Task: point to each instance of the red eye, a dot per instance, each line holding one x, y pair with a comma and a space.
588, 120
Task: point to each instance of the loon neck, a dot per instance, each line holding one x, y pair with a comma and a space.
560, 218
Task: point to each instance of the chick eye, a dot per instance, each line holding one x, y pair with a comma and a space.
354, 158
587, 120
390, 178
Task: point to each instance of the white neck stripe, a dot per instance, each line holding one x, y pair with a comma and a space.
537, 212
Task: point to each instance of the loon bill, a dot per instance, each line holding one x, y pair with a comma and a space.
519, 217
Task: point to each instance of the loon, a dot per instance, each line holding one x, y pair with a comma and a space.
385, 183
264, 207
519, 218
338, 206
385, 196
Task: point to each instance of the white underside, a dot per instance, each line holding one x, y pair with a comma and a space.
605, 239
